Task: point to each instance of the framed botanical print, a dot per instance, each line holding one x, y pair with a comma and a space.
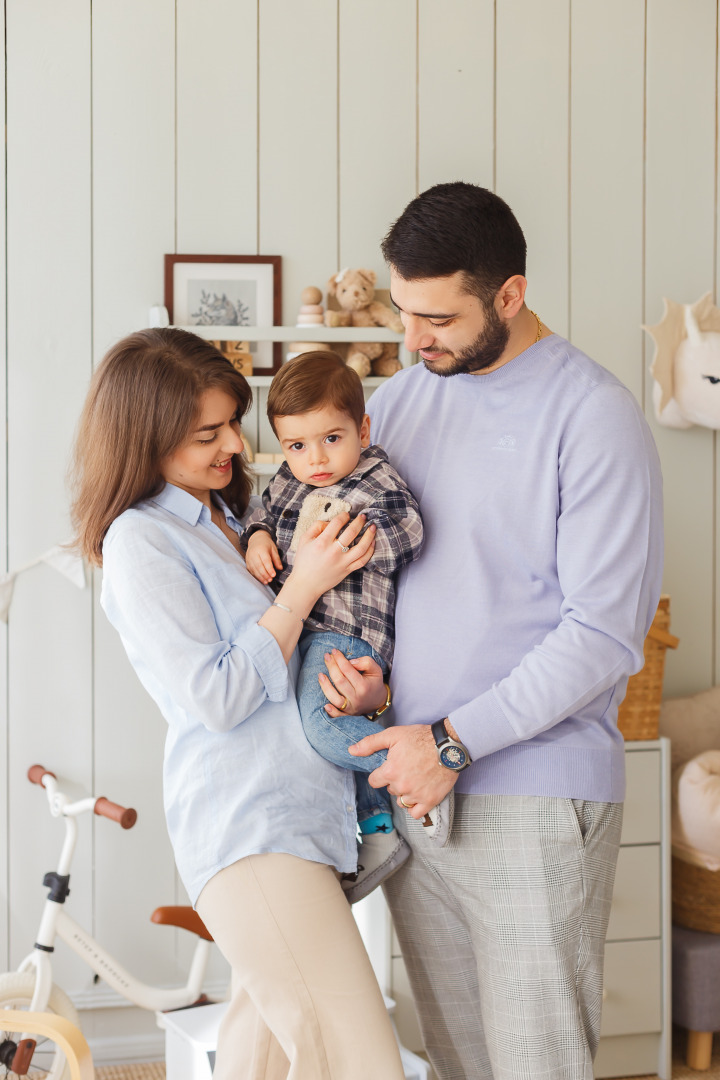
228, 290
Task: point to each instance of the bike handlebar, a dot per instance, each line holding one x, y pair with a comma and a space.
36, 772
125, 816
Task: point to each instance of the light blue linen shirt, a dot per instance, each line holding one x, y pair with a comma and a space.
240, 777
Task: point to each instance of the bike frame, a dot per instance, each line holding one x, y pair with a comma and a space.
56, 923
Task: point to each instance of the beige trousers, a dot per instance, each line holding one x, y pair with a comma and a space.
305, 1002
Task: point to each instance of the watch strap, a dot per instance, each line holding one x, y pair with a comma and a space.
440, 735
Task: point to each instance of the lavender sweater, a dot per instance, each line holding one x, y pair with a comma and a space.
539, 486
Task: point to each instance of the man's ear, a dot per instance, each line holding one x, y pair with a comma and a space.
510, 297
365, 431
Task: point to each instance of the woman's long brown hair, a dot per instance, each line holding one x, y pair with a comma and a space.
143, 401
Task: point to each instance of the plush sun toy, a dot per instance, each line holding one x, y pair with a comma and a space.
686, 365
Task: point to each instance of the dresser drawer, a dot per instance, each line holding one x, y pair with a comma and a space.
642, 817
632, 995
635, 911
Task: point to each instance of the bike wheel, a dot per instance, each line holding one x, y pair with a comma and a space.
16, 991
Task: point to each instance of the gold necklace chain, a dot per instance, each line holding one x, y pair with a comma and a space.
539, 325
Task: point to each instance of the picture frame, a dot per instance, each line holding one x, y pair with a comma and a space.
228, 290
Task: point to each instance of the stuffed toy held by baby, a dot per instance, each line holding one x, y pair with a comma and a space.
354, 293
686, 365
316, 507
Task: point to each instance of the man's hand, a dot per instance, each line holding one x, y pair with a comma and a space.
358, 682
263, 557
412, 769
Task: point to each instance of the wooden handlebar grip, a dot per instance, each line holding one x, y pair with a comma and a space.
125, 816
36, 772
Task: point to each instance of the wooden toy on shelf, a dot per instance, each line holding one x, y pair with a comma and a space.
311, 309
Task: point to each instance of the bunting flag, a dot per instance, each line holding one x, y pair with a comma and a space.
62, 559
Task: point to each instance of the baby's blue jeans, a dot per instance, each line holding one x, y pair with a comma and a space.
329, 735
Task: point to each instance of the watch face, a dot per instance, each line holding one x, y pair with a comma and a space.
453, 757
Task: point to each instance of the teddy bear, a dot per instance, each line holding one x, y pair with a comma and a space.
354, 292
317, 507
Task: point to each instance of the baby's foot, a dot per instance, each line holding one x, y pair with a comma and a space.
380, 854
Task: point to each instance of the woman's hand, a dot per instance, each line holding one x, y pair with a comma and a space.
358, 682
327, 553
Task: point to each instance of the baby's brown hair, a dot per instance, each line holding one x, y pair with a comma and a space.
314, 380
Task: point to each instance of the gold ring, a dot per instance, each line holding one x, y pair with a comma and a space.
408, 806
344, 705
342, 546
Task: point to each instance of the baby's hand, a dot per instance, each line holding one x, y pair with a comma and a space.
262, 556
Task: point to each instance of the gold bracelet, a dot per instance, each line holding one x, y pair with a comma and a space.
383, 708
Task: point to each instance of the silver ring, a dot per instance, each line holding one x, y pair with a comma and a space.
342, 546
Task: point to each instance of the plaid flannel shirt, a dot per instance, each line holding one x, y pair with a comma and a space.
363, 604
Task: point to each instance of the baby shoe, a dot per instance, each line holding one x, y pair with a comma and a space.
441, 820
379, 855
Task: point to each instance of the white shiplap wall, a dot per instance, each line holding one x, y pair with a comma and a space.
302, 128
4, 803
49, 320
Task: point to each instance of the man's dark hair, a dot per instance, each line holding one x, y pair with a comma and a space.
457, 227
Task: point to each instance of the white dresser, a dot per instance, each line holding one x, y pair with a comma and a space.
636, 1013
636, 1024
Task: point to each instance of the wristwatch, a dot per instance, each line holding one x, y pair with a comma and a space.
451, 753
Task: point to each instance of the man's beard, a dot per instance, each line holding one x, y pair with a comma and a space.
486, 349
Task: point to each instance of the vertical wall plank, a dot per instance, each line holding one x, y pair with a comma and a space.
217, 97
4, 911
716, 436
298, 143
456, 73
377, 124
133, 162
679, 263
532, 143
49, 293
133, 227
606, 192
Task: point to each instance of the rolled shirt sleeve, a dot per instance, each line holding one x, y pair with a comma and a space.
170, 623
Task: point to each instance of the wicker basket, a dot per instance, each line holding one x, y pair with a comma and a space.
639, 713
695, 896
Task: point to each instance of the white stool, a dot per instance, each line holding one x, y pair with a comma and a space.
191, 1039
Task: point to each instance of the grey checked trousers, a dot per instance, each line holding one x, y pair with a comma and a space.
503, 933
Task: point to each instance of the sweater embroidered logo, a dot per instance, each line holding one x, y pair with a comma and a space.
506, 442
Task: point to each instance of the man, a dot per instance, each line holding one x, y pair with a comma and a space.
517, 629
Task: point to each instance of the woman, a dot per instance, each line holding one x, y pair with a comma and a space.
261, 825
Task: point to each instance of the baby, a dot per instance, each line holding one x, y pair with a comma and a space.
316, 408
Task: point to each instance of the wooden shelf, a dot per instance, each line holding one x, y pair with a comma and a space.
264, 468
265, 380
294, 333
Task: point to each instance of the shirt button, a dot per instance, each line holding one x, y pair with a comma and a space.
350, 809
287, 514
